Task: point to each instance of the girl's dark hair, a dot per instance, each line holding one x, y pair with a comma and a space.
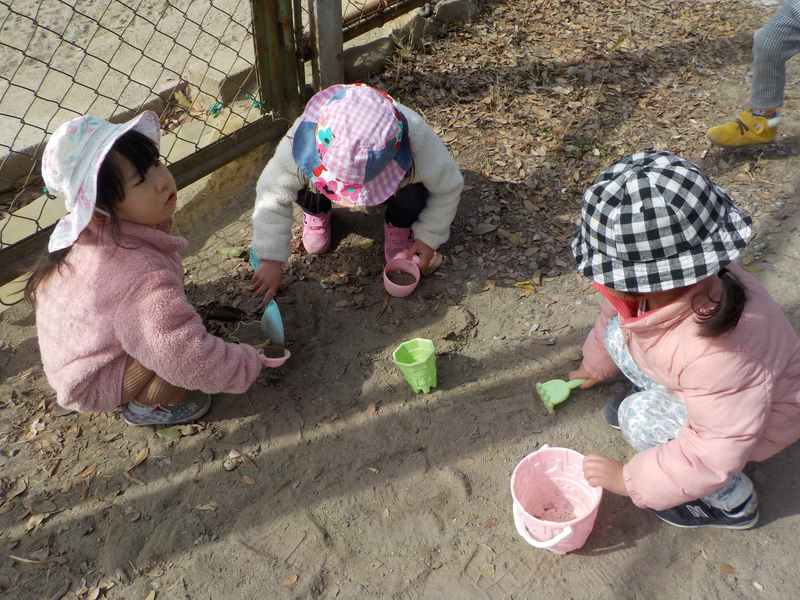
725, 315
142, 152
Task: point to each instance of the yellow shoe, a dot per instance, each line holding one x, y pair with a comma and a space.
745, 130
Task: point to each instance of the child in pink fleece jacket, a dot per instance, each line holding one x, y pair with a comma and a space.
114, 325
714, 362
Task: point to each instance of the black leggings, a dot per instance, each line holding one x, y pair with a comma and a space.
402, 209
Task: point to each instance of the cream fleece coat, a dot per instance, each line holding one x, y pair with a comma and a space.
280, 181
113, 301
742, 389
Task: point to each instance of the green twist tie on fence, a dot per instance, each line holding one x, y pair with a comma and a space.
256, 103
215, 110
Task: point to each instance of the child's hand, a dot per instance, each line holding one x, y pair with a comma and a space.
582, 374
604, 472
425, 253
267, 278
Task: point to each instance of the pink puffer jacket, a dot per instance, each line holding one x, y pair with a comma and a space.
113, 301
742, 389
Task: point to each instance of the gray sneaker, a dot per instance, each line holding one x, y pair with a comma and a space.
187, 411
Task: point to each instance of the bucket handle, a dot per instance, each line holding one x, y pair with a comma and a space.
523, 531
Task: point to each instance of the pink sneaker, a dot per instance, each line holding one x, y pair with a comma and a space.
317, 232
397, 241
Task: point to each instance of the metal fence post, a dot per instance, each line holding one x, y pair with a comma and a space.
328, 42
276, 64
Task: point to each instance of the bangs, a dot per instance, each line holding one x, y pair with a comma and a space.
139, 149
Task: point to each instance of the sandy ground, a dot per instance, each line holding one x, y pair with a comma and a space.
331, 478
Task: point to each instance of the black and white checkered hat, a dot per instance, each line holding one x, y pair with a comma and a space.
652, 221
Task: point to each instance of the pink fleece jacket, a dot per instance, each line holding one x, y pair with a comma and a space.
118, 299
742, 389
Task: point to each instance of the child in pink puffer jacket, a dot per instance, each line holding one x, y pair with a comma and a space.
714, 363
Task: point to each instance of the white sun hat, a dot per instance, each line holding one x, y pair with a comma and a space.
70, 164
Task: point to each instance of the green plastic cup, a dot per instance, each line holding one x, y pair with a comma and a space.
417, 360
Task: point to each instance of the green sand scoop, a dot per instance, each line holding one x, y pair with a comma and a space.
556, 391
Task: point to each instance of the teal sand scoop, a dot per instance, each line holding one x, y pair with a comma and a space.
271, 321
556, 391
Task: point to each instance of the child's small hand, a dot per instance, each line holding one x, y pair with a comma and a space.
425, 253
604, 472
266, 279
581, 373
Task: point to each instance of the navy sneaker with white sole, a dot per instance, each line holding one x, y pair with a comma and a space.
699, 514
189, 410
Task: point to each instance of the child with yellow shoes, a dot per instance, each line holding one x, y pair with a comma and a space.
773, 44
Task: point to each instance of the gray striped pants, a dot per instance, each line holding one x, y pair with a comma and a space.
774, 44
655, 416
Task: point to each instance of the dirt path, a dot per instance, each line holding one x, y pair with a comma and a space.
331, 478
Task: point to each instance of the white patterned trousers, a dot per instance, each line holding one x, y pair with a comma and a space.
655, 415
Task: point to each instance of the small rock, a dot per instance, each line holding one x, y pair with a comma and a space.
455, 11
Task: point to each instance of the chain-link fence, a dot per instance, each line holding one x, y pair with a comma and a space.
223, 75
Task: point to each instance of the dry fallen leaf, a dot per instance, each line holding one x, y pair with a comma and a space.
371, 410
19, 487
88, 471
248, 480
288, 581
376, 565
141, 455
209, 506
42, 507
34, 522
247, 462
726, 568
94, 594
466, 463
151, 595
132, 478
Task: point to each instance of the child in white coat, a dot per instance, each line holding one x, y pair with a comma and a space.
355, 146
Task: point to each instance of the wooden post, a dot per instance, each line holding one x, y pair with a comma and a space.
276, 64
325, 18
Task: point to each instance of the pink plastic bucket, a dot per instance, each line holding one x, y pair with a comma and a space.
554, 505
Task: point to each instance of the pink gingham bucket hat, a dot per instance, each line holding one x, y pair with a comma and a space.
352, 142
70, 164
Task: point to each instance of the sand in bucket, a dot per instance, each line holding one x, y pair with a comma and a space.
554, 506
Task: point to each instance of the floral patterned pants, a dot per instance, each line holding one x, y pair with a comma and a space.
655, 415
